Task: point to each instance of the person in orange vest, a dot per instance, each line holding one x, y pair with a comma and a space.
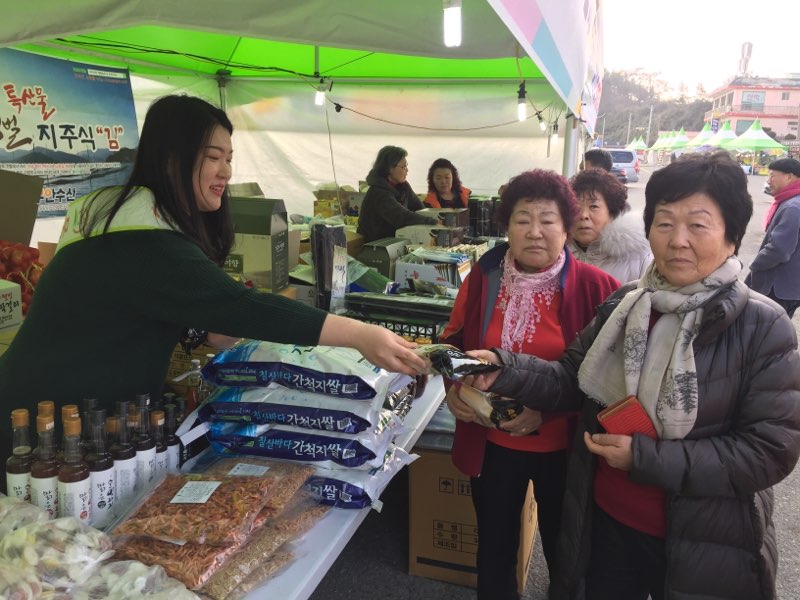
445, 189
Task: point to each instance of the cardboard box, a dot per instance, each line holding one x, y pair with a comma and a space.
293, 247
418, 234
261, 249
383, 254
355, 241
450, 217
10, 304
443, 533
19, 202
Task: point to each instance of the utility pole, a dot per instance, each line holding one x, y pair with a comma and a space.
649, 122
628, 137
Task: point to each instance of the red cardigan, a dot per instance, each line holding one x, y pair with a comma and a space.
583, 288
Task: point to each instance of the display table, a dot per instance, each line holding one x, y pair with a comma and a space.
320, 547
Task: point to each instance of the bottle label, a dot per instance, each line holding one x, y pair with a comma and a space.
18, 485
161, 463
104, 491
44, 494
125, 471
145, 468
173, 458
75, 500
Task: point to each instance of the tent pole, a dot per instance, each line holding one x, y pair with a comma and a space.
222, 77
568, 165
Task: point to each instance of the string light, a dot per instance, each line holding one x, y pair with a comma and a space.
542, 124
319, 95
522, 109
555, 131
452, 22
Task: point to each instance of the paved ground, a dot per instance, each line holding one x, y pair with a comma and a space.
375, 562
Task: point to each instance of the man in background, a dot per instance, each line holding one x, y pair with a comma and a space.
775, 271
597, 158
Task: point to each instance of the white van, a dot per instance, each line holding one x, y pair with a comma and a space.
626, 160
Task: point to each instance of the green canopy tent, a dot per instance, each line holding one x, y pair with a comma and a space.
272, 55
753, 140
677, 141
701, 138
723, 133
637, 144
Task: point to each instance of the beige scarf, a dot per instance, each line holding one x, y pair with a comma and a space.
657, 365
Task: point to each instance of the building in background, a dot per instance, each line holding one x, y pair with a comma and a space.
745, 98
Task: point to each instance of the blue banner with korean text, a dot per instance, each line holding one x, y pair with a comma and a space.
72, 124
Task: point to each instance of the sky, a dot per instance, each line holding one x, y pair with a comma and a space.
700, 41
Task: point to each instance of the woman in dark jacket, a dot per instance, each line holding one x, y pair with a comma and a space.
389, 203
684, 513
532, 296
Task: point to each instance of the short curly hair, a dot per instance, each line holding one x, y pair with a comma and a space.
538, 184
717, 175
594, 181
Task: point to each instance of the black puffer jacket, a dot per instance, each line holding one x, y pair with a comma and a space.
386, 208
720, 536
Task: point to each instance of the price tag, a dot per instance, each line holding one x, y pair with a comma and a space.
248, 470
195, 492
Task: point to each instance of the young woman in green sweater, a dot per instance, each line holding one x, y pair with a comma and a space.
137, 265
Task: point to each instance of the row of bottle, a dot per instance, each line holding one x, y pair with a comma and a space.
102, 463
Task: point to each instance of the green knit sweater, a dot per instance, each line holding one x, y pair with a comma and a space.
109, 310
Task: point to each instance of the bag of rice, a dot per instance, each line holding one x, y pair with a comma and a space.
330, 370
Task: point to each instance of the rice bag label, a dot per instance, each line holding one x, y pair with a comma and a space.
195, 492
248, 470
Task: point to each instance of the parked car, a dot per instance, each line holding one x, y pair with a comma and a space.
626, 160
620, 174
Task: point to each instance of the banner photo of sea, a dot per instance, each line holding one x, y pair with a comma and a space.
72, 124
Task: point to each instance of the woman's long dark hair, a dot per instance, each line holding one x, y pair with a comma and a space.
174, 137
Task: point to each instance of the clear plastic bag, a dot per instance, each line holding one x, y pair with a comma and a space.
15, 513
62, 552
131, 580
224, 517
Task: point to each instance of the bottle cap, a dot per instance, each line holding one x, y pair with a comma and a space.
44, 423
112, 424
72, 426
46, 407
69, 410
97, 416
157, 418
20, 418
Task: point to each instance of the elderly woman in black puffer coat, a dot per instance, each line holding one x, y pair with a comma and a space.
677, 505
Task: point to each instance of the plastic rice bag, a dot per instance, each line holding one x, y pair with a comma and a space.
346, 488
283, 406
62, 552
364, 450
331, 370
131, 580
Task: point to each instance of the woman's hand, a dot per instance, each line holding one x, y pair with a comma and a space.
527, 421
485, 381
616, 449
220, 341
388, 350
460, 409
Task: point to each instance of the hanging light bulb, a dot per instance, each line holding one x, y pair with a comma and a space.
542, 124
319, 96
522, 109
555, 131
452, 22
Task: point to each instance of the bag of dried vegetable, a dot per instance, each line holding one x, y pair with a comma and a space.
198, 508
131, 580
14, 513
62, 552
